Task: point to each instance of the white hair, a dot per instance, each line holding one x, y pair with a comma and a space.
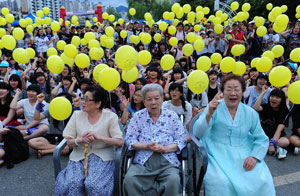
152, 87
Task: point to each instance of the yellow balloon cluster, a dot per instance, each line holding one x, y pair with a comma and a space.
97, 70
21, 55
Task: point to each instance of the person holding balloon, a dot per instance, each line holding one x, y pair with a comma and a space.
47, 144
98, 129
41, 41
32, 128
235, 143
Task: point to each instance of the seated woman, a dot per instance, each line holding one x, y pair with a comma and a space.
47, 144
273, 119
178, 104
98, 129
15, 83
44, 84
32, 128
6, 114
295, 138
64, 86
156, 134
235, 143
131, 108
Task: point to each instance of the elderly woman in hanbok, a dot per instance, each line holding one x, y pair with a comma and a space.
236, 144
99, 129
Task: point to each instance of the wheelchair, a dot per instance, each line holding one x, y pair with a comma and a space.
193, 167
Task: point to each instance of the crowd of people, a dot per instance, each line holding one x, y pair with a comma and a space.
27, 89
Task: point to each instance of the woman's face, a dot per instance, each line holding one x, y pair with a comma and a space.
12, 62
138, 84
153, 74
233, 93
88, 103
213, 77
14, 84
41, 32
296, 30
270, 30
175, 94
275, 101
67, 84
162, 47
3, 93
31, 95
177, 76
253, 75
65, 72
40, 79
261, 82
137, 97
48, 30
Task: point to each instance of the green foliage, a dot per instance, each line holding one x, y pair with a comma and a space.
112, 10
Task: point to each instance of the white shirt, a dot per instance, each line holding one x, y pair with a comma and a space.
41, 43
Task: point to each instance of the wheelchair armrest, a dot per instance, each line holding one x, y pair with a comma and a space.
130, 153
56, 156
183, 154
117, 160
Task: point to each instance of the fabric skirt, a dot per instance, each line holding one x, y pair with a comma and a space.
100, 179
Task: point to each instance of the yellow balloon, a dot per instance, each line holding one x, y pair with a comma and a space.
218, 28
109, 43
18, 33
61, 44
216, 58
246, 7
298, 71
48, 20
264, 64
76, 41
70, 51
146, 38
172, 30
111, 18
239, 69
191, 37
2, 32
123, 34
227, 64
10, 18
130, 75
5, 11
279, 29
188, 49
89, 36
254, 62
269, 54
95, 44
55, 64
199, 15
294, 93
126, 57
206, 10
60, 108
197, 81
295, 55
199, 45
224, 17
29, 21
109, 31
3, 22
167, 62
271, 17
67, 23
132, 11
46, 10
23, 23
9, 42
278, 51
191, 17
276, 11
82, 60
31, 52
51, 51
280, 76
175, 7
259, 21
298, 9
163, 26
109, 79
97, 70
166, 15
269, 6
217, 20
121, 21
203, 63
283, 8
67, 60
238, 50
261, 31
95, 19
157, 37
234, 6
40, 13
144, 57
186, 8
173, 41
180, 13
96, 53
282, 20
55, 26
197, 28
21, 55
105, 15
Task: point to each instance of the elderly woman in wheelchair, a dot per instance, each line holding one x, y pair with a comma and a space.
157, 135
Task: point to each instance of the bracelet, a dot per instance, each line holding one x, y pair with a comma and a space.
75, 141
39, 107
273, 142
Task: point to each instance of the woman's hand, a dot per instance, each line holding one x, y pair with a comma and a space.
41, 97
88, 137
125, 102
156, 147
250, 163
76, 102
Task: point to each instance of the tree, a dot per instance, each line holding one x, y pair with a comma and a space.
112, 10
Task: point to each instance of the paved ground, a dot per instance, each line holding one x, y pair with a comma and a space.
36, 177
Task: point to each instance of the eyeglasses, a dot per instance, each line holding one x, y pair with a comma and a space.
86, 99
230, 90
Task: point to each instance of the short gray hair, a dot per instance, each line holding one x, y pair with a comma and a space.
152, 87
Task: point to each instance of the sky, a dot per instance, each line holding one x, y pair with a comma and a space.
113, 3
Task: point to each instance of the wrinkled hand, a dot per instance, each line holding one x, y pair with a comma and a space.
213, 104
156, 147
88, 137
4, 131
249, 163
41, 97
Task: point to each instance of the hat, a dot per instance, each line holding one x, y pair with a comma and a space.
4, 64
202, 32
4, 85
298, 20
34, 87
294, 66
262, 76
235, 24
252, 22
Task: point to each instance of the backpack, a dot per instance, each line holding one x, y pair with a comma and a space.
15, 147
